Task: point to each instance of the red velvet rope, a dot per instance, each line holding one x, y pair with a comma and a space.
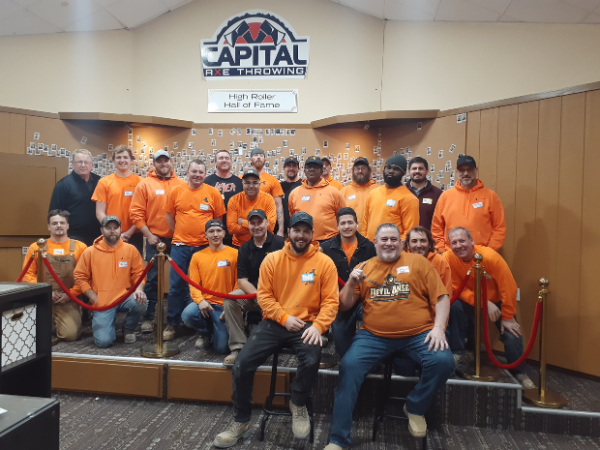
98, 308
25, 269
486, 331
460, 288
341, 282
208, 291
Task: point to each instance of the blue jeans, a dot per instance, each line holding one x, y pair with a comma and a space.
193, 318
461, 328
103, 322
179, 293
151, 287
344, 328
367, 351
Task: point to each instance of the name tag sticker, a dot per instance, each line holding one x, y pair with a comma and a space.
403, 269
391, 202
203, 207
352, 197
478, 205
223, 263
160, 192
428, 201
59, 251
122, 263
306, 198
308, 277
128, 193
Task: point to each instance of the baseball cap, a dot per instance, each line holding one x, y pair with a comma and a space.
108, 219
257, 213
361, 160
325, 158
257, 151
291, 159
313, 160
397, 160
301, 217
214, 223
161, 153
466, 159
251, 173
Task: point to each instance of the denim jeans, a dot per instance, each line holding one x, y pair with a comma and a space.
151, 287
462, 328
103, 322
367, 351
179, 293
344, 328
208, 327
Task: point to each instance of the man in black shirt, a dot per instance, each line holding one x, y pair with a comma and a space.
226, 183
250, 256
73, 193
347, 250
292, 181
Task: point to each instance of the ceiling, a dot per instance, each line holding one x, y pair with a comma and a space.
20, 17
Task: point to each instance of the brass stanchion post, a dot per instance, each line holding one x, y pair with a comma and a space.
479, 373
541, 397
160, 349
40, 260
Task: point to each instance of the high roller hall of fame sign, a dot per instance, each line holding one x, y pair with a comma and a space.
255, 44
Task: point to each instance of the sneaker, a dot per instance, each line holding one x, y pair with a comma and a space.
300, 421
202, 342
229, 437
229, 360
129, 336
169, 333
416, 424
147, 326
333, 447
525, 381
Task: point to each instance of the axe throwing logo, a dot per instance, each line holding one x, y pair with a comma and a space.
255, 44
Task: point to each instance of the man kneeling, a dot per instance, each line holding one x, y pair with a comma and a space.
399, 292
298, 294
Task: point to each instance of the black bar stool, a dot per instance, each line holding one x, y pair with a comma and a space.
385, 397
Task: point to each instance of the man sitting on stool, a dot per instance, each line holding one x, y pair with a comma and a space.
105, 272
502, 300
213, 268
399, 293
298, 293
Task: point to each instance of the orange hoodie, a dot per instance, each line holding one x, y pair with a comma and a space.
335, 183
397, 205
148, 203
478, 209
109, 272
355, 195
238, 208
302, 286
322, 202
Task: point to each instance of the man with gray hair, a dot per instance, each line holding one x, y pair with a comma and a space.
405, 309
73, 193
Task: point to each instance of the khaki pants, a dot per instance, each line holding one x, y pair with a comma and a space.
67, 318
234, 319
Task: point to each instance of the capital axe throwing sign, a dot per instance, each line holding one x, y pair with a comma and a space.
255, 44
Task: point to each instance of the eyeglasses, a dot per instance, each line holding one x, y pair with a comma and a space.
252, 183
81, 163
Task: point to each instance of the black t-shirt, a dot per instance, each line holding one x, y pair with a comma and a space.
228, 187
250, 257
287, 188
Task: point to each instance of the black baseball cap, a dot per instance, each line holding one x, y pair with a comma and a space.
325, 158
257, 151
291, 159
301, 217
313, 160
108, 219
397, 160
251, 173
466, 159
361, 160
214, 223
257, 213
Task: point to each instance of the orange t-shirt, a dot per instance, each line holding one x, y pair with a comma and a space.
398, 206
117, 193
239, 206
214, 270
355, 196
443, 268
270, 185
192, 208
349, 249
398, 297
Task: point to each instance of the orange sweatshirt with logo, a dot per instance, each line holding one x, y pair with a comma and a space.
214, 270
302, 286
478, 209
117, 193
239, 206
398, 206
502, 287
322, 202
335, 183
355, 195
148, 204
109, 272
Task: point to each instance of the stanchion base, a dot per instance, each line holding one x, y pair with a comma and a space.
485, 373
328, 361
551, 399
168, 349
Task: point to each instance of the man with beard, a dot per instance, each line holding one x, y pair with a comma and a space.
470, 205
405, 309
105, 272
427, 193
226, 183
317, 198
327, 174
391, 203
357, 192
297, 309
291, 182
149, 216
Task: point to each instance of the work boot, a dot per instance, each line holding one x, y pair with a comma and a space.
230, 359
333, 447
147, 326
416, 424
300, 421
202, 342
525, 381
229, 437
129, 336
169, 333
